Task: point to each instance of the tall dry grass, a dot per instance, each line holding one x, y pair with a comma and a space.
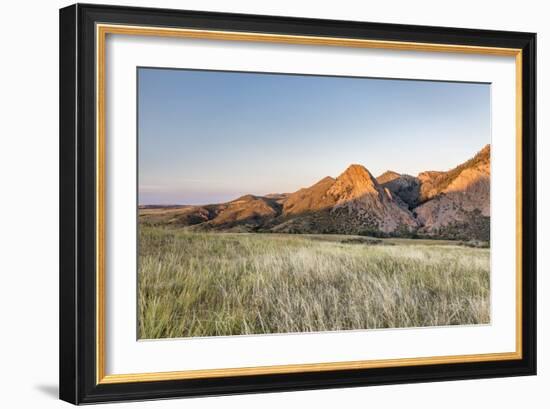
209, 284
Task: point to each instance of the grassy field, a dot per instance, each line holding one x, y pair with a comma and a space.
210, 284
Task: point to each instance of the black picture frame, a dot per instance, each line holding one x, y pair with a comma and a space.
78, 365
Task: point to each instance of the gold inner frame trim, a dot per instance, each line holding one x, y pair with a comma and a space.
101, 33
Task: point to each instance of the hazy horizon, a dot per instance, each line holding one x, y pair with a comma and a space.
212, 136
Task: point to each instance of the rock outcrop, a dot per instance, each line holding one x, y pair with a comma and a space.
450, 204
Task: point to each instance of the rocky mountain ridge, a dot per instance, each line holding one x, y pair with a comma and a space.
452, 204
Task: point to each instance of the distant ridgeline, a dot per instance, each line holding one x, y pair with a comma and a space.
447, 205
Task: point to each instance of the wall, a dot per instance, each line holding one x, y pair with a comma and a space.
29, 202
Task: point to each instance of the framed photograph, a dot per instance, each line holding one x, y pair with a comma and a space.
257, 203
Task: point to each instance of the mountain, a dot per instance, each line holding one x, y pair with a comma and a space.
387, 177
309, 199
451, 204
429, 182
459, 200
353, 203
358, 194
249, 210
406, 187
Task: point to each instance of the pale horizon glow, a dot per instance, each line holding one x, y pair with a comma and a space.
212, 136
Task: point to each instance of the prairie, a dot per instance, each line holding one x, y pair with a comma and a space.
213, 284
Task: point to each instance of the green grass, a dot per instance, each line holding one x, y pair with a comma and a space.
211, 284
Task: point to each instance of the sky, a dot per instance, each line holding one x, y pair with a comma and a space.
212, 136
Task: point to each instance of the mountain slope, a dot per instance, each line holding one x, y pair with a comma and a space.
459, 204
353, 203
452, 204
248, 209
406, 187
313, 198
360, 195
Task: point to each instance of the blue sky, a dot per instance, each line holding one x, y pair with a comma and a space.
211, 136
